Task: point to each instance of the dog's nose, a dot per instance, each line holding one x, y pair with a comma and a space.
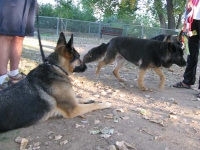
80, 68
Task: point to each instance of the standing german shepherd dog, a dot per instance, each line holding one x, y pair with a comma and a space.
145, 53
170, 38
46, 91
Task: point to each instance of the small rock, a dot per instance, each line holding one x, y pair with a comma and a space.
147, 96
171, 99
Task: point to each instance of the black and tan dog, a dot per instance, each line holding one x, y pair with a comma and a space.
177, 39
146, 53
46, 91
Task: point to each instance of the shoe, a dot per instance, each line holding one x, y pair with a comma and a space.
18, 77
181, 85
6, 84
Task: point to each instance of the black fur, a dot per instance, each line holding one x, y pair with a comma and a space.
33, 98
134, 49
95, 53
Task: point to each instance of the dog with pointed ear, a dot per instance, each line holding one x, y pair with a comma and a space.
46, 91
66, 56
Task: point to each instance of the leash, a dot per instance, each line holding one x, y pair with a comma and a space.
39, 38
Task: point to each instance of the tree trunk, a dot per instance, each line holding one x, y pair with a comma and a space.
162, 20
179, 21
170, 15
160, 12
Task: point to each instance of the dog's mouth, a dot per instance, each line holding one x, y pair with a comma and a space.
80, 68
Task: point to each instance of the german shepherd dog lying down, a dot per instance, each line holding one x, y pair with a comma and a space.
46, 91
146, 53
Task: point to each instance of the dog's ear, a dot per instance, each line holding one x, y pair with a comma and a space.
70, 42
180, 36
171, 47
61, 40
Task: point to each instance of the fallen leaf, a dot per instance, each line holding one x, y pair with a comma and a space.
125, 118
84, 121
143, 112
120, 110
106, 136
78, 125
116, 120
171, 99
58, 137
147, 96
96, 121
63, 142
36, 144
124, 146
95, 131
109, 116
107, 131
18, 139
173, 116
112, 147
24, 143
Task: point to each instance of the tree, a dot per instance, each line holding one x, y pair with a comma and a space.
46, 10
66, 9
159, 11
123, 11
169, 12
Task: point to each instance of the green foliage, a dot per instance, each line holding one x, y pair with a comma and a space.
66, 9
114, 11
46, 10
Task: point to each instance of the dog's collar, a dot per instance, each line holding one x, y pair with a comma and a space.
49, 63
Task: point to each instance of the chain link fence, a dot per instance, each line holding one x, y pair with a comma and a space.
54, 25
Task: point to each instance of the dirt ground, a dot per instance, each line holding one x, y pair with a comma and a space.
167, 119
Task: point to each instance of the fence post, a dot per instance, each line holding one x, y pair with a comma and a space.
142, 35
99, 29
57, 26
89, 27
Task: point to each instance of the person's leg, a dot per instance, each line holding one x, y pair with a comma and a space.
15, 55
15, 52
5, 41
192, 60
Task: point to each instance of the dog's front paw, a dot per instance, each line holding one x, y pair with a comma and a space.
106, 104
161, 86
121, 80
143, 89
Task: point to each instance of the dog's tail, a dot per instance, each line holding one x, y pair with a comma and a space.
95, 53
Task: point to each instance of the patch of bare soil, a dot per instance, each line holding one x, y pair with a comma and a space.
165, 119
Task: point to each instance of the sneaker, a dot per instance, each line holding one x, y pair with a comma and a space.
18, 77
6, 84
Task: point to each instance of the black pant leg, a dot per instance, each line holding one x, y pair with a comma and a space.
192, 59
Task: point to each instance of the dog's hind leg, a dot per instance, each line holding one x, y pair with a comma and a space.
161, 75
119, 64
141, 80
